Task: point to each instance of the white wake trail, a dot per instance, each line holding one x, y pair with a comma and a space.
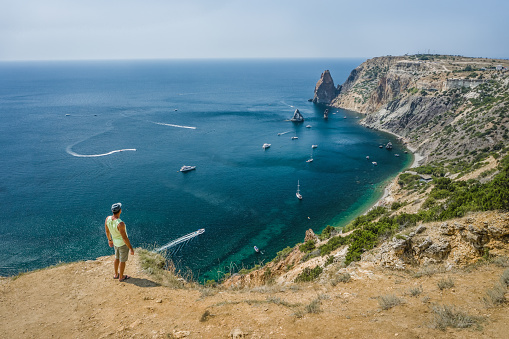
71, 152
172, 125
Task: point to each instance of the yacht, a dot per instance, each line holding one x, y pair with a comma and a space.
308, 126
374, 163
314, 146
309, 160
295, 138
265, 146
299, 196
187, 168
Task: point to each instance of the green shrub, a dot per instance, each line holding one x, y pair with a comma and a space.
332, 244
326, 233
308, 246
309, 274
281, 255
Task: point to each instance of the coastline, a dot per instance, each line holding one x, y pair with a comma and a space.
387, 196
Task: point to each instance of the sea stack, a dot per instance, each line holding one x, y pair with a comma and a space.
297, 117
325, 91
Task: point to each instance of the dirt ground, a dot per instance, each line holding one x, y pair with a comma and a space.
82, 300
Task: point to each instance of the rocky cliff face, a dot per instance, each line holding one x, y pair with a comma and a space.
325, 91
456, 242
443, 106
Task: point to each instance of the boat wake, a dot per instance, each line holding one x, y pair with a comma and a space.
172, 125
71, 152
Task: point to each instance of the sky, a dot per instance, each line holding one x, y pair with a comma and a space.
168, 29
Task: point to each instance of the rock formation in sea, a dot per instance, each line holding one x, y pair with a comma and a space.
297, 116
325, 91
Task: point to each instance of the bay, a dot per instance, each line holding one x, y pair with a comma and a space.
63, 123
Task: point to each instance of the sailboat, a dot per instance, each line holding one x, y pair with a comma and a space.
299, 196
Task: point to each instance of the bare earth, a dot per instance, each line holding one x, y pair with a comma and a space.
81, 300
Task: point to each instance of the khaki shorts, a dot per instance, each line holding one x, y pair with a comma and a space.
122, 253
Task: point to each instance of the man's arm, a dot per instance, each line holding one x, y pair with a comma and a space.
108, 235
121, 229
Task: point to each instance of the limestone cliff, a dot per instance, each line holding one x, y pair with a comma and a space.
325, 91
443, 106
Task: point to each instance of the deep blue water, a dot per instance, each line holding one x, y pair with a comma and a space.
53, 201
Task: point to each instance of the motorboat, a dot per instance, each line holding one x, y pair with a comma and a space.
309, 160
396, 155
295, 138
187, 168
314, 146
265, 146
308, 126
256, 249
367, 157
374, 163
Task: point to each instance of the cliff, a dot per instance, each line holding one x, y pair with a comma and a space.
445, 107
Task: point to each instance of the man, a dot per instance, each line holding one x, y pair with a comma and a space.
117, 237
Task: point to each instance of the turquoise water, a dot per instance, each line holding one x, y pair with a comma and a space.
61, 123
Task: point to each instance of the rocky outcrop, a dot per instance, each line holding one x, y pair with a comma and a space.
455, 242
325, 91
310, 235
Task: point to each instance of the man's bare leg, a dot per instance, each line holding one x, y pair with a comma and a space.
115, 265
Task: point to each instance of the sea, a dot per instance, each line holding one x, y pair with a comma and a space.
78, 136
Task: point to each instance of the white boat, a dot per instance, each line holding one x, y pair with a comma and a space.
256, 249
314, 146
308, 126
309, 160
266, 145
367, 157
374, 163
299, 196
187, 168
295, 138
396, 155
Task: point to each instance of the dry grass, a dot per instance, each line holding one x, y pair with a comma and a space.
389, 301
448, 316
161, 270
495, 296
445, 283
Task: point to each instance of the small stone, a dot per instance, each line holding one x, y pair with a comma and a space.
159, 301
237, 333
181, 334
